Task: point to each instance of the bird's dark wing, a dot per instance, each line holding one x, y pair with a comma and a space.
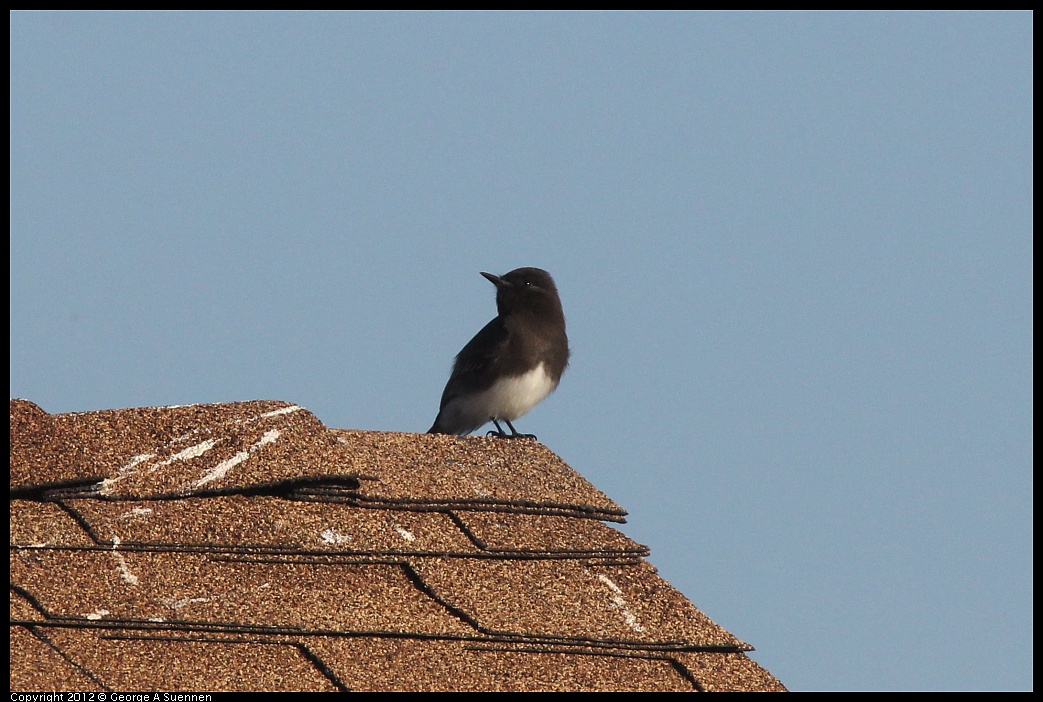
481, 353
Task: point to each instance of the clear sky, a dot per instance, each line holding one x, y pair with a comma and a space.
794, 251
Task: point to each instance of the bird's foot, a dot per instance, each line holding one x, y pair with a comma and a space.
505, 435
501, 434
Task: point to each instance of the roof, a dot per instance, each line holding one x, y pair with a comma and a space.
246, 546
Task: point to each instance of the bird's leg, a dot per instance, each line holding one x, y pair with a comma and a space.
501, 434
514, 432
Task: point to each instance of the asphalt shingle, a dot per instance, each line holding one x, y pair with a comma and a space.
245, 546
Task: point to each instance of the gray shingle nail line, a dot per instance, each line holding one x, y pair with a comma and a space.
292, 490
483, 636
550, 509
263, 553
579, 650
294, 557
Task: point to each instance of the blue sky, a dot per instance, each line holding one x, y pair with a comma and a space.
794, 251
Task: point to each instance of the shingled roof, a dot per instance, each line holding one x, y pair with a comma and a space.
246, 546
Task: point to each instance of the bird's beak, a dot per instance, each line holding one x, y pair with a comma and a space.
495, 279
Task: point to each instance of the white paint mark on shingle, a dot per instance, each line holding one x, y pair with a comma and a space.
632, 621
136, 460
331, 536
221, 469
617, 601
181, 604
106, 485
269, 436
405, 533
94, 616
125, 573
284, 410
136, 512
191, 452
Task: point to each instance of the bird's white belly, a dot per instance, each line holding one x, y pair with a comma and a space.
511, 397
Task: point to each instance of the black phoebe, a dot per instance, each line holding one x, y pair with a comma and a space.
514, 362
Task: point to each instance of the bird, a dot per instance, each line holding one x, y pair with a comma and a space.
512, 363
